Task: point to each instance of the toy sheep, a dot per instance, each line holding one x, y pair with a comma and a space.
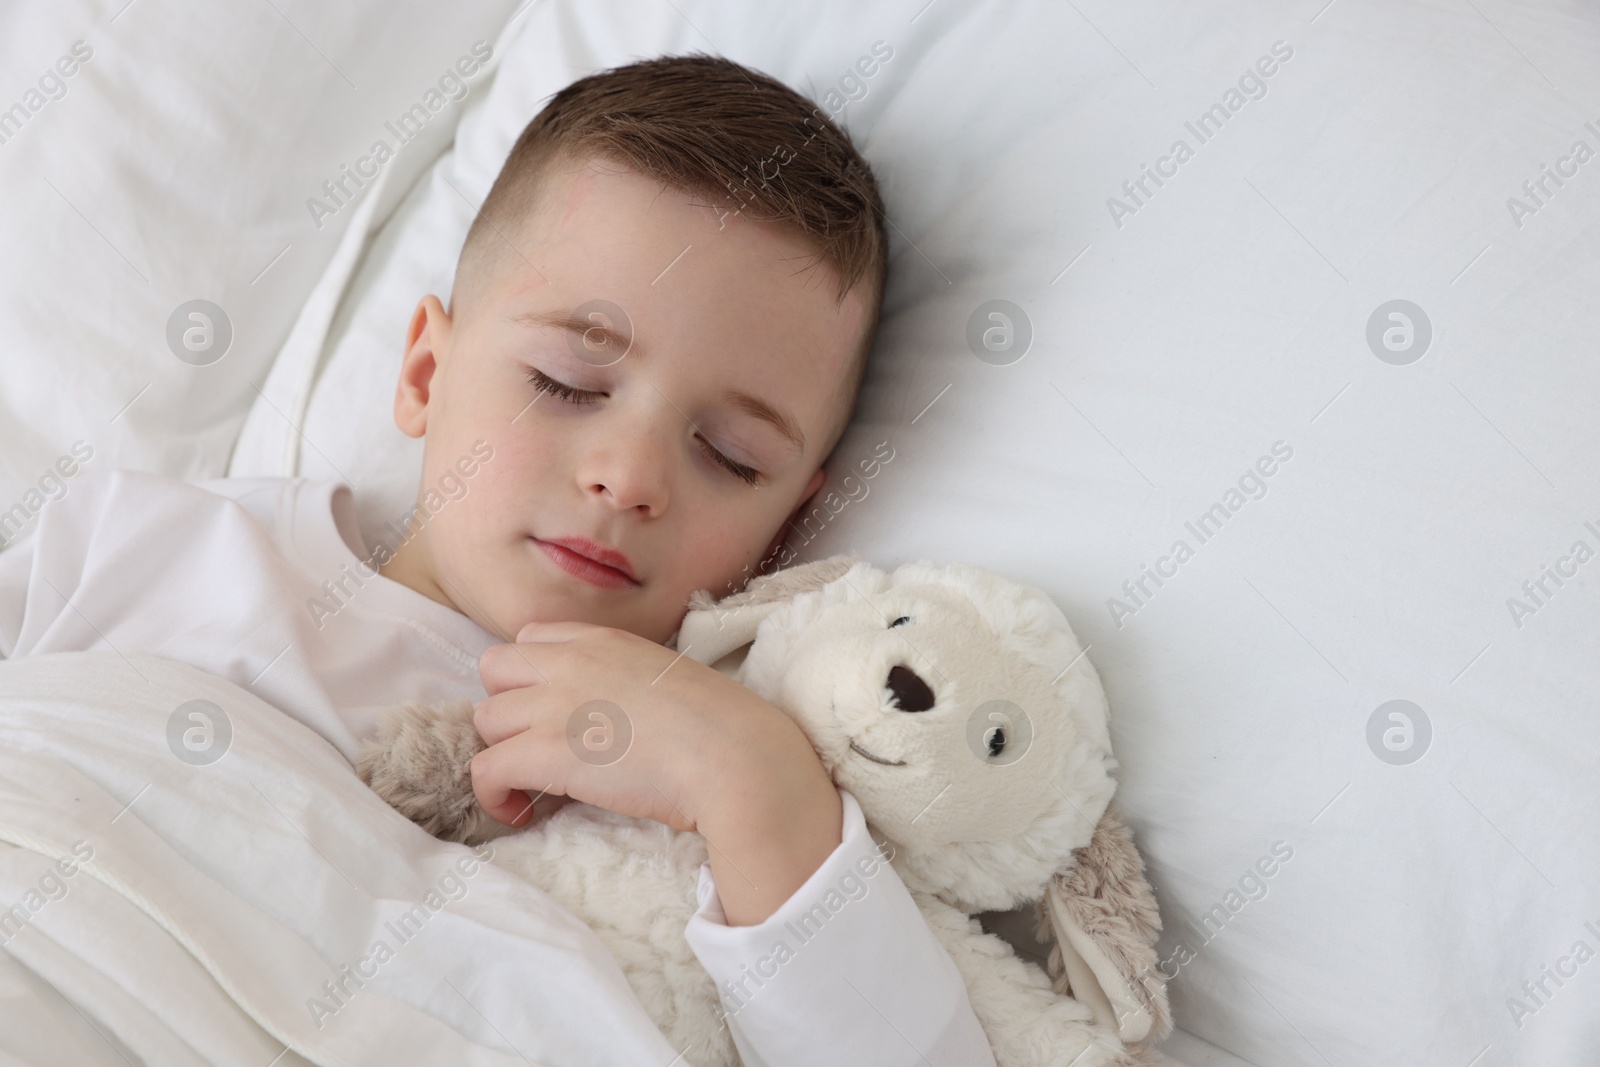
957, 707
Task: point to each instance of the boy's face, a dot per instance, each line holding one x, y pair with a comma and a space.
708, 313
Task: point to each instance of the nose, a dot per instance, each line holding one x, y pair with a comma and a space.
908, 691
626, 465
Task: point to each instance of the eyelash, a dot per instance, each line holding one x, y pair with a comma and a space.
543, 383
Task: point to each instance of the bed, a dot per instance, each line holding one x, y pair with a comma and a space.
1289, 407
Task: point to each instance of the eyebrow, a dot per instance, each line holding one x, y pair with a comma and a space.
753, 406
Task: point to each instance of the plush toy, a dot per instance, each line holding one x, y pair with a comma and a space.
958, 709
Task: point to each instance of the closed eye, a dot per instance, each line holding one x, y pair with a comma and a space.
738, 470
543, 383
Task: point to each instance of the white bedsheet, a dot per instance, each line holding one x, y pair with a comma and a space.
216, 900
1390, 158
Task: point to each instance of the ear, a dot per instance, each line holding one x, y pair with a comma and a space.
713, 628
427, 341
1103, 916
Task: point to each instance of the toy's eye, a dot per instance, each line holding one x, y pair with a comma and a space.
908, 692
997, 741
901, 619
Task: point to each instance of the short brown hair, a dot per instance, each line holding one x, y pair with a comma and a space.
714, 128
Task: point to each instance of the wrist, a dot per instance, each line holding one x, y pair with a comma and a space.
765, 843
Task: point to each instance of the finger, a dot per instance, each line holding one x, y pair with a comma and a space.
507, 714
503, 779
527, 810
516, 811
505, 667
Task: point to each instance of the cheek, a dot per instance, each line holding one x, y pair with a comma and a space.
490, 507
502, 498
721, 547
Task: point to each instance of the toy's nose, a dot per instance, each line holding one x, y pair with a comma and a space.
910, 693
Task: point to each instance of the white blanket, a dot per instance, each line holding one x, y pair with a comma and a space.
207, 905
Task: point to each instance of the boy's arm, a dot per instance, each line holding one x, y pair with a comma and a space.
845, 971
850, 971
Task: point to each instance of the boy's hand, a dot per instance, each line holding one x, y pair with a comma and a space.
615, 720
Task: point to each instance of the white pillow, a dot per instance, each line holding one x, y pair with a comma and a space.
156, 154
1218, 343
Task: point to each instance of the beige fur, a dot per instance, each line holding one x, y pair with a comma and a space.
971, 828
1106, 895
420, 761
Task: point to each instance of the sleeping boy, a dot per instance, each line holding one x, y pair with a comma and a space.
659, 323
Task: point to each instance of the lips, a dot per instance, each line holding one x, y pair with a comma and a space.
593, 563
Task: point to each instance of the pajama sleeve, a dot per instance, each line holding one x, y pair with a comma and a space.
845, 971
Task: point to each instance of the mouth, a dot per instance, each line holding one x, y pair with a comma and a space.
833, 708
589, 562
858, 750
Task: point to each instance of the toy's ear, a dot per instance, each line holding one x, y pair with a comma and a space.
713, 628
1103, 915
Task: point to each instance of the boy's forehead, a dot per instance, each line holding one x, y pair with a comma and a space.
605, 218
686, 273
